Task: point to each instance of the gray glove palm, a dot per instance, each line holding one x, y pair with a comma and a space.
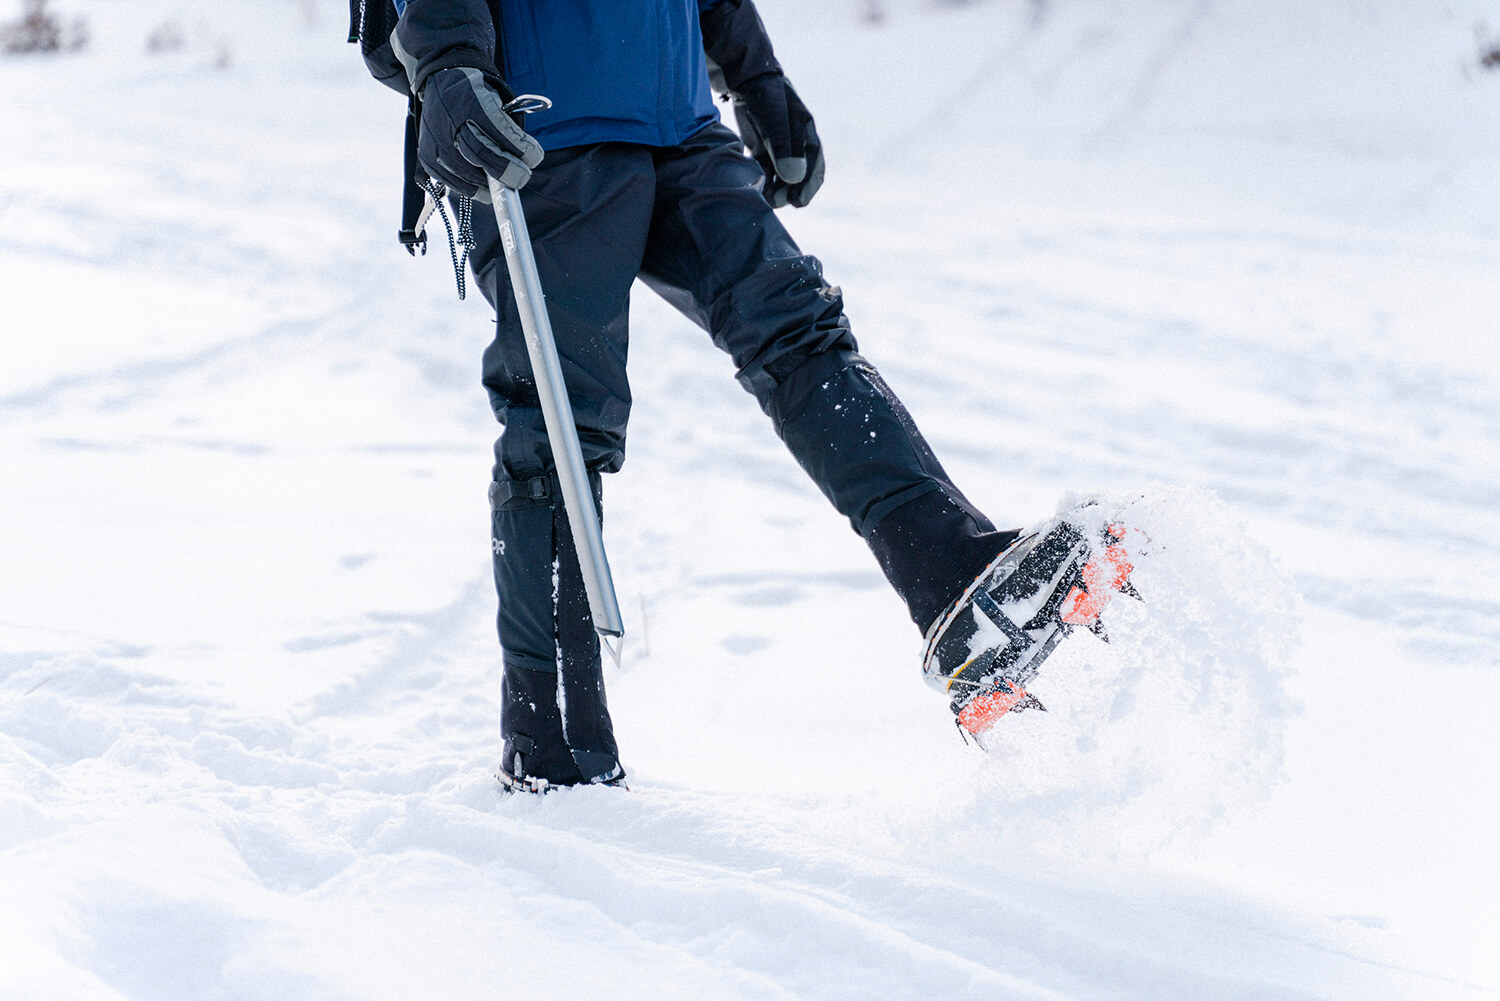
466, 134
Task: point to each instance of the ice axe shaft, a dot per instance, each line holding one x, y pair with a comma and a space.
562, 432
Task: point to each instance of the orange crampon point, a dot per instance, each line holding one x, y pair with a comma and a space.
984, 711
1103, 575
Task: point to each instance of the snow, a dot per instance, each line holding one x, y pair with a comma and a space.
1233, 266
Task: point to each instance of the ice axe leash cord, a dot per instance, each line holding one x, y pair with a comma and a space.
562, 432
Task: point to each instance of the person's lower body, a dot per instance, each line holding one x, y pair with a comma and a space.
690, 222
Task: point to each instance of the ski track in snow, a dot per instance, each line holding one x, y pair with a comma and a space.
248, 685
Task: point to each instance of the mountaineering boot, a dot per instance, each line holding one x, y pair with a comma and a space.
542, 763
535, 757
992, 640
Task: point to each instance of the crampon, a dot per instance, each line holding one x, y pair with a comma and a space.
987, 647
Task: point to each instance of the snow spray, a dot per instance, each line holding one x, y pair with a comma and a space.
1175, 722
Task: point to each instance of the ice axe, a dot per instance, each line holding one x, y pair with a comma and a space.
557, 412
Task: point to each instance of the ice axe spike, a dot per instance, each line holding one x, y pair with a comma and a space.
557, 412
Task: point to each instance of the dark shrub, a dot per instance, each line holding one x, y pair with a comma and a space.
39, 30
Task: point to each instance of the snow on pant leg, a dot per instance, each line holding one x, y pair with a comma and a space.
553, 710
719, 254
588, 210
860, 445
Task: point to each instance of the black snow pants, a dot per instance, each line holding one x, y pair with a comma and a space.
689, 221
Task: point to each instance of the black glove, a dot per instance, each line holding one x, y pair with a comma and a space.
465, 133
774, 124
778, 133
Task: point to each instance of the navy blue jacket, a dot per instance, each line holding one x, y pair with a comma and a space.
615, 70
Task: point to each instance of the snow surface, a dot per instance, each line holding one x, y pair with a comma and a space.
1234, 264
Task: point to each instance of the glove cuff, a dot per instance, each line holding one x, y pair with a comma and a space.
736, 43
743, 90
462, 59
